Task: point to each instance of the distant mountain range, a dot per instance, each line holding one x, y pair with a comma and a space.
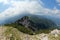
14, 18
53, 18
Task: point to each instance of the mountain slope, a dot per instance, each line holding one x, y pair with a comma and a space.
33, 24
53, 18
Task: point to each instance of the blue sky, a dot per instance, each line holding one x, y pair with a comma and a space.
51, 4
3, 7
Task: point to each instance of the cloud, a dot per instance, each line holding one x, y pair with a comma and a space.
4, 1
58, 1
20, 7
33, 7
59, 4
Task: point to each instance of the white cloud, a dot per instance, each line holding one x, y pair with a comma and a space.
59, 4
4, 1
33, 7
58, 1
55, 10
19, 7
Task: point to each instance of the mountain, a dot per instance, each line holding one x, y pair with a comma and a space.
33, 24
55, 19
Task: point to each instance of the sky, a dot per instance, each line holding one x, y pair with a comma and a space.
10, 8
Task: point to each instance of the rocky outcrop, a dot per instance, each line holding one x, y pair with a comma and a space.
55, 32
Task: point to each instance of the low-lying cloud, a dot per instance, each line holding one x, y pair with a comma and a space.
31, 6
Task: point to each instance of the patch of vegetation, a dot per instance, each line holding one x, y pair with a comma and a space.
22, 29
12, 33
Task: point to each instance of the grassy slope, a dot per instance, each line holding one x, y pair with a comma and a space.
7, 33
12, 33
16, 34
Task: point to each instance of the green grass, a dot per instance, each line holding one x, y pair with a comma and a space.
15, 33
